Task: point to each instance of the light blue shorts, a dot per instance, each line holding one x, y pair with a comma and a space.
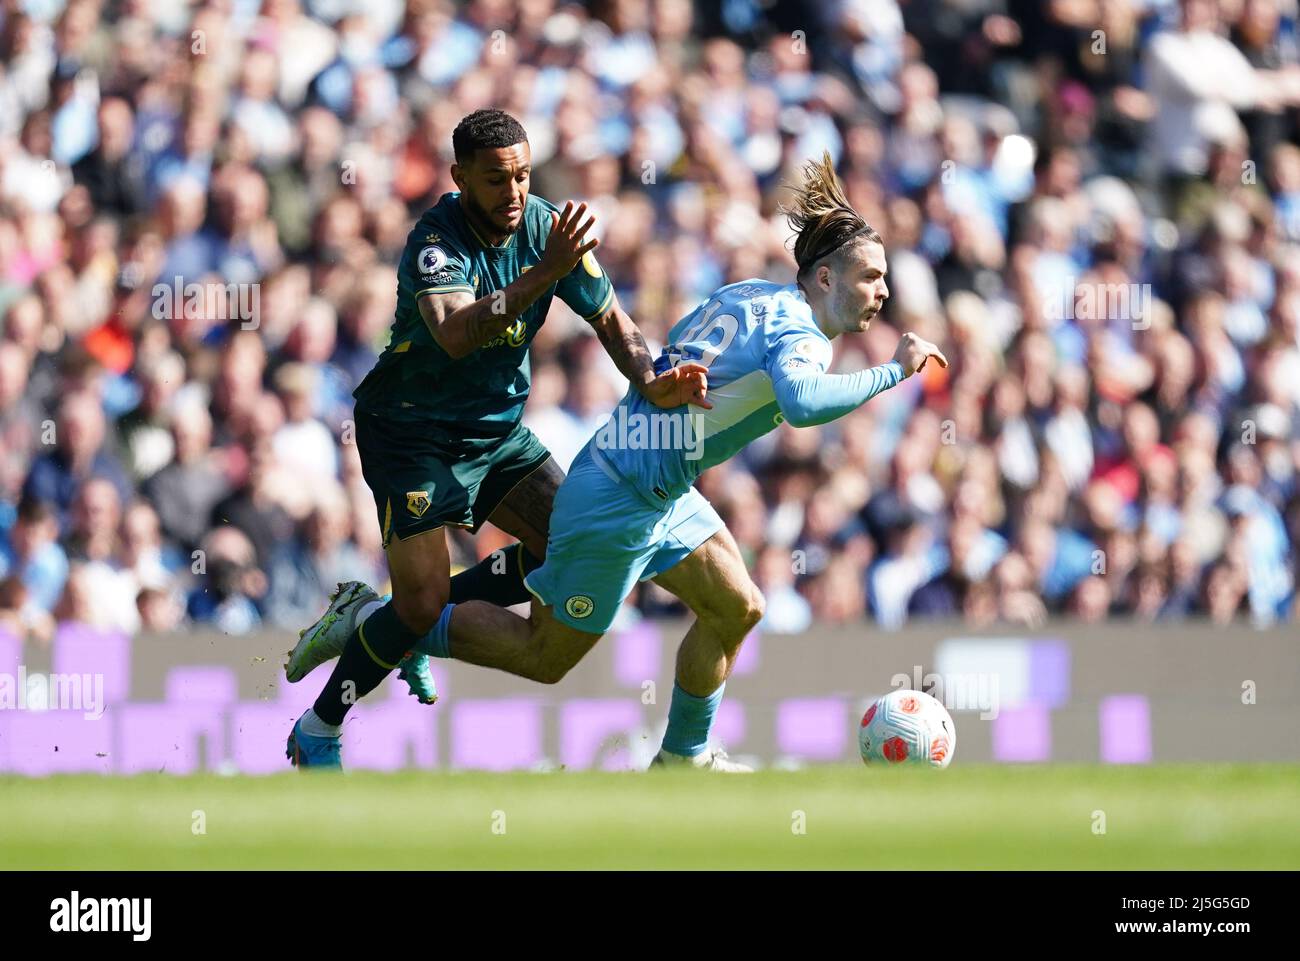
605, 536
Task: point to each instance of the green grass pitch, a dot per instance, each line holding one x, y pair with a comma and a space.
852, 817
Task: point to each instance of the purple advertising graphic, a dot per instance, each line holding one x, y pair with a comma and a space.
101, 702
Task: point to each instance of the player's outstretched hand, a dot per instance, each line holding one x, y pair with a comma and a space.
566, 244
683, 384
913, 352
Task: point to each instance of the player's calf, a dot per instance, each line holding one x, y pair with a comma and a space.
715, 585
539, 648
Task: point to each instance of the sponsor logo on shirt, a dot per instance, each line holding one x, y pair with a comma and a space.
515, 335
806, 348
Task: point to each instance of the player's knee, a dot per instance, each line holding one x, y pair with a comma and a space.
535, 544
732, 615
551, 669
550, 673
419, 610
747, 610
743, 608
557, 654
754, 608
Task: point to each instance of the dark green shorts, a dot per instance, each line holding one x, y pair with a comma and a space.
424, 476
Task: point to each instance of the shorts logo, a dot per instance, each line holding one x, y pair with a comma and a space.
579, 606
417, 502
431, 260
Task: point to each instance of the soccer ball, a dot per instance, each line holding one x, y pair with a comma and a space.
907, 727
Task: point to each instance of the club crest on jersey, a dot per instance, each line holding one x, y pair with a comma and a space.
579, 606
431, 260
417, 502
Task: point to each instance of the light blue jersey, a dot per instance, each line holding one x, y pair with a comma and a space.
627, 510
767, 361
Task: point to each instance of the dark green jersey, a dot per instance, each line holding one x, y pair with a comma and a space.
480, 395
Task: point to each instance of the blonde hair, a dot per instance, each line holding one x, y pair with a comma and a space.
823, 220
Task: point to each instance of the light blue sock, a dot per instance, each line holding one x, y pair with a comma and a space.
437, 643
689, 720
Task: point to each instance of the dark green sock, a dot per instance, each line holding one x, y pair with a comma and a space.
368, 657
496, 579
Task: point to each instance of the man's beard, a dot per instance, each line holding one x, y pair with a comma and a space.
478, 213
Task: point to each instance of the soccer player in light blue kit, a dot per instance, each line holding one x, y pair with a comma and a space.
628, 511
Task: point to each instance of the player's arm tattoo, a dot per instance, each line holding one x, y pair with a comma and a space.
436, 309
460, 324
625, 345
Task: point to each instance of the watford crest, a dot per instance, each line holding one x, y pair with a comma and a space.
417, 502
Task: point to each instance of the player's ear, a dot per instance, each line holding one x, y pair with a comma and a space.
458, 176
824, 277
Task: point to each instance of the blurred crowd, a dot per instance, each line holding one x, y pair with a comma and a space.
1093, 207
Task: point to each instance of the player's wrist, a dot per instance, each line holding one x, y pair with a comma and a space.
660, 400
548, 270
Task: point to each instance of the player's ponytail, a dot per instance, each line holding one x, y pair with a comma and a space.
821, 216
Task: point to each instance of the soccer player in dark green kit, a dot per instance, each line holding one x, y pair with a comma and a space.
438, 418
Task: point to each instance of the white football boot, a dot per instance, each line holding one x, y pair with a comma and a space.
325, 639
710, 759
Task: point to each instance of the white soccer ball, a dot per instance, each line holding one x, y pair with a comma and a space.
907, 727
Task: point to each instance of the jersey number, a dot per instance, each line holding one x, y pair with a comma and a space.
702, 331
